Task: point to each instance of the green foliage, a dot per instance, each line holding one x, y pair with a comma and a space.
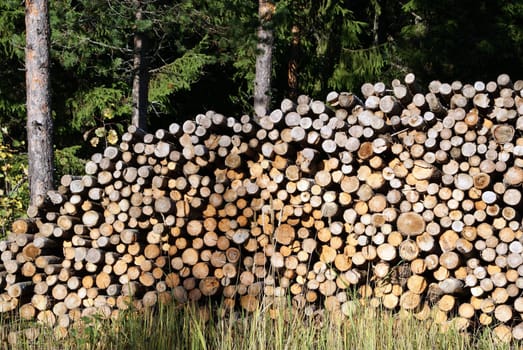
91, 37
509, 23
437, 41
92, 54
176, 76
12, 42
356, 64
333, 53
68, 162
99, 105
12, 78
512, 14
359, 65
14, 187
10, 107
230, 28
103, 111
244, 76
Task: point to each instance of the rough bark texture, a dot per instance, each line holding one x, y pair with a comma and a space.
292, 71
39, 121
376, 22
140, 75
262, 80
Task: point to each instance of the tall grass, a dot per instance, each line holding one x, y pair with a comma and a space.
211, 327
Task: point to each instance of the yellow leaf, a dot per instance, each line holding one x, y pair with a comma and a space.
94, 141
112, 137
108, 113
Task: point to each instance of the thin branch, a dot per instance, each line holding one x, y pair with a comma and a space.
17, 186
363, 49
101, 44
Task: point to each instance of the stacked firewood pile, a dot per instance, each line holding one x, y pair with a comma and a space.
411, 198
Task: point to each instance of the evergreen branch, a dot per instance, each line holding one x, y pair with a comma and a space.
365, 49
107, 46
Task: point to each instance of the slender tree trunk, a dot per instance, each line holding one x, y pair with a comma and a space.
376, 22
140, 75
262, 81
292, 69
39, 121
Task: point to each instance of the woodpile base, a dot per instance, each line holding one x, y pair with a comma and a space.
411, 198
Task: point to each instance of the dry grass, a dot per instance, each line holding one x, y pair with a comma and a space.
196, 327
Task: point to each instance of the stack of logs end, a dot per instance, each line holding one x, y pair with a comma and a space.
410, 197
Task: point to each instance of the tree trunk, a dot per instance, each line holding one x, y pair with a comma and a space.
376, 21
292, 71
140, 74
262, 82
39, 121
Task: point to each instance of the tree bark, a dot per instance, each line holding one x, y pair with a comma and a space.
262, 80
292, 71
39, 121
140, 74
376, 22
